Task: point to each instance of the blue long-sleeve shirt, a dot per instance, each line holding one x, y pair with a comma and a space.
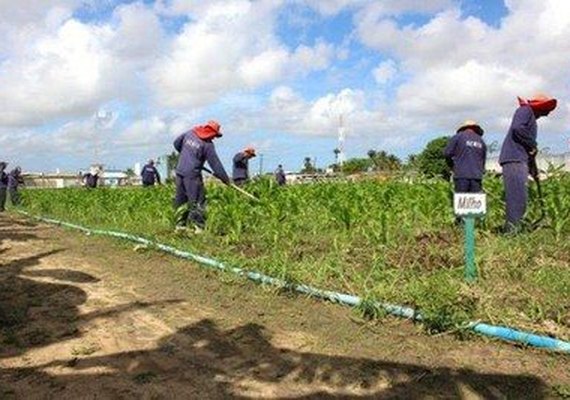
194, 152
91, 180
468, 152
521, 138
14, 180
150, 174
240, 166
280, 176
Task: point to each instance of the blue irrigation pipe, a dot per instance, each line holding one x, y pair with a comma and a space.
498, 332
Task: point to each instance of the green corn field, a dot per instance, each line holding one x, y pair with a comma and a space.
392, 241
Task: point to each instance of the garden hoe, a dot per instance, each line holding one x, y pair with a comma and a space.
247, 194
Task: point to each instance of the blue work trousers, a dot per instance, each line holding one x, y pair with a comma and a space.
191, 191
464, 185
515, 179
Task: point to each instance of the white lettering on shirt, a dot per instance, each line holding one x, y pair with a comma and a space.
473, 143
192, 144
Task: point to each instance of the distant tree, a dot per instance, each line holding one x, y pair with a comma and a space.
336, 165
412, 162
372, 155
308, 167
382, 160
431, 161
387, 162
130, 172
353, 165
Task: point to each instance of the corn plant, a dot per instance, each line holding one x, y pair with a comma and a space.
390, 241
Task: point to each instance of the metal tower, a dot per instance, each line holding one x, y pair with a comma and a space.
341, 138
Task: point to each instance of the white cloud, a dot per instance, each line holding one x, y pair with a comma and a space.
461, 67
153, 131
139, 36
56, 70
263, 68
229, 46
385, 71
26, 11
384, 7
307, 58
286, 111
69, 69
61, 74
331, 7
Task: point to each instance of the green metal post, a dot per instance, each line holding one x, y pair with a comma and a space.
470, 267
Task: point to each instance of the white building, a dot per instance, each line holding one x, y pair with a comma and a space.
543, 162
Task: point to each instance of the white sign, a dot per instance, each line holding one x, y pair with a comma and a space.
474, 204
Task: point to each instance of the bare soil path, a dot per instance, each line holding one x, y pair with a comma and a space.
89, 318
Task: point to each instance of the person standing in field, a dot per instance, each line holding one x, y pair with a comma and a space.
91, 179
3, 185
14, 181
149, 174
280, 175
518, 149
240, 173
466, 152
196, 147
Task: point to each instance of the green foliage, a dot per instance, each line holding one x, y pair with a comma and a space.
431, 161
383, 161
394, 241
444, 305
376, 161
353, 165
308, 167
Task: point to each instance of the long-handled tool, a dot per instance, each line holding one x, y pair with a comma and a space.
533, 171
233, 186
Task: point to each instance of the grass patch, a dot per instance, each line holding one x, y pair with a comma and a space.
393, 241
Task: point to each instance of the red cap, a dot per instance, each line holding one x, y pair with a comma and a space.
208, 131
540, 103
250, 151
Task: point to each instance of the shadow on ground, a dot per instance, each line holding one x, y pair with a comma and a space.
15, 230
40, 307
204, 361
38, 312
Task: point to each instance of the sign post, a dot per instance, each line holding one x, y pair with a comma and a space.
470, 206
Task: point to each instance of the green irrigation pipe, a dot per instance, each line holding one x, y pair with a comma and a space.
498, 332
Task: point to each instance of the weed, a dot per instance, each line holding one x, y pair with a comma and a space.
144, 377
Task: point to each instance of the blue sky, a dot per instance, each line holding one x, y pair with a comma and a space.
275, 73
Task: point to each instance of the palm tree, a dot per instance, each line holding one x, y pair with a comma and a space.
308, 167
336, 152
372, 155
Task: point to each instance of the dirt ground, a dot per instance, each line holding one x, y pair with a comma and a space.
85, 317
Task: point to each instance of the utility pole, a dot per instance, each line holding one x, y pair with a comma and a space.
260, 164
341, 138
